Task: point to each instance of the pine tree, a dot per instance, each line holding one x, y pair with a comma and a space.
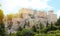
47, 24
53, 27
41, 26
58, 22
20, 28
34, 28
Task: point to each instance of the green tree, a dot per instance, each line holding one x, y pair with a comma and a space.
12, 34
53, 27
34, 29
27, 32
41, 26
58, 22
2, 25
47, 24
20, 28
1, 15
19, 33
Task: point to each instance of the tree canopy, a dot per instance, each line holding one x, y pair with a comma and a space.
1, 15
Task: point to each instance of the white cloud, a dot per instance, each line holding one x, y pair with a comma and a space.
15, 5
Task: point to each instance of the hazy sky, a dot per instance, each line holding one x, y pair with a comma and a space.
12, 6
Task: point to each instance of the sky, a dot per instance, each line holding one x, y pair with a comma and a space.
13, 6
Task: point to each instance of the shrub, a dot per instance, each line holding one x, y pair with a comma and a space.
27, 32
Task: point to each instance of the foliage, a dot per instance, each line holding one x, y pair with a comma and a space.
20, 28
19, 33
2, 29
1, 15
2, 25
9, 16
12, 34
47, 24
40, 35
58, 22
34, 29
49, 28
25, 32
41, 26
